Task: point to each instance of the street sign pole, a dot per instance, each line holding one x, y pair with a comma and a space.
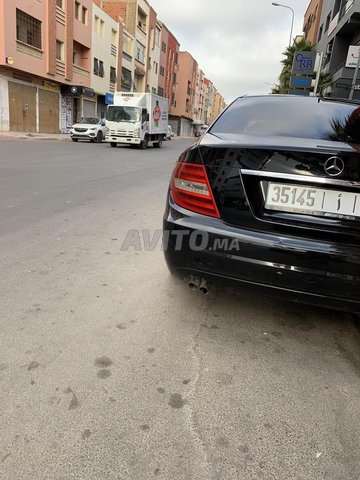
351, 96
318, 74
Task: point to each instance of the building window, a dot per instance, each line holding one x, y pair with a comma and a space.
127, 46
320, 32
59, 50
96, 66
142, 20
126, 79
99, 26
176, 58
155, 68
84, 16
173, 99
163, 47
101, 69
112, 74
81, 13
28, 29
140, 52
162, 71
114, 37
60, 4
157, 37
328, 20
160, 91
174, 79
336, 7
77, 10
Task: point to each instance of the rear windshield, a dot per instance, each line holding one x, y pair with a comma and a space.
291, 117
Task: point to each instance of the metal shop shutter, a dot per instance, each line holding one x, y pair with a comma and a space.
22, 107
49, 111
88, 108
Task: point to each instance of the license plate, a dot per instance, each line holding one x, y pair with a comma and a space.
312, 201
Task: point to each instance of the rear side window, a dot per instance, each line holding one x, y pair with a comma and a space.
291, 117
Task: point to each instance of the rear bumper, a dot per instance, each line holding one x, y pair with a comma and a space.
296, 269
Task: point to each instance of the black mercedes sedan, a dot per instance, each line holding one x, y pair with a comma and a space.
269, 198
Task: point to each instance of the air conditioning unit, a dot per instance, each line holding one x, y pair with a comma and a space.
329, 48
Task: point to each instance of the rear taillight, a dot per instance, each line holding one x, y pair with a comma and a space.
190, 189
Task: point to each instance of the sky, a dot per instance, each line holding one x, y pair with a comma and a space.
237, 43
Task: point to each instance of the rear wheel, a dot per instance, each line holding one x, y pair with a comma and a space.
113, 144
99, 137
158, 144
144, 144
74, 139
92, 140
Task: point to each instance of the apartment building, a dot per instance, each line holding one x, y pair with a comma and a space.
171, 68
182, 115
339, 40
219, 105
198, 101
127, 62
312, 21
63, 59
209, 101
45, 63
107, 45
164, 40
154, 49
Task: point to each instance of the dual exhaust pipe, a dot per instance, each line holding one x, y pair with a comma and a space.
198, 283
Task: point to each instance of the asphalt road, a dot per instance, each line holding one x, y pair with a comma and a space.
111, 369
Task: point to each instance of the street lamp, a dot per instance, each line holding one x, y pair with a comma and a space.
292, 20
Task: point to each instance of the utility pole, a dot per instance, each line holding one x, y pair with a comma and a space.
356, 73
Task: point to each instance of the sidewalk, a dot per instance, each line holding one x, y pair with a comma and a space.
34, 136
49, 136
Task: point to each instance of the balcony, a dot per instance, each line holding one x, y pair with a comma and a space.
29, 50
345, 9
342, 72
81, 71
347, 19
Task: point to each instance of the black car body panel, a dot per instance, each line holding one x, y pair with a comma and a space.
313, 258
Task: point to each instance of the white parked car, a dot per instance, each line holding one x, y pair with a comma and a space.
92, 129
169, 134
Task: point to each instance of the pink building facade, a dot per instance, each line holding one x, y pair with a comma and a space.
45, 62
182, 114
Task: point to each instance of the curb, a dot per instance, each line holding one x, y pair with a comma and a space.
32, 138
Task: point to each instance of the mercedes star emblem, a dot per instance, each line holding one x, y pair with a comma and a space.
334, 166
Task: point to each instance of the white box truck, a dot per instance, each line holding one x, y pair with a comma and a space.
137, 119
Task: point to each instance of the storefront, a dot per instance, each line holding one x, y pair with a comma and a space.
76, 102
29, 106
